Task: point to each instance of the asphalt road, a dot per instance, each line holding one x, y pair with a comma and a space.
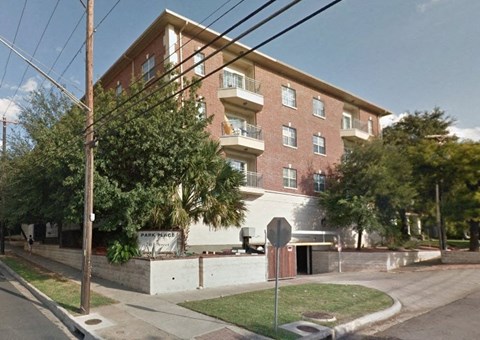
457, 321
440, 302
23, 317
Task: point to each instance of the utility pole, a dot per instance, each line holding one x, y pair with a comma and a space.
438, 217
4, 160
3, 224
442, 236
88, 216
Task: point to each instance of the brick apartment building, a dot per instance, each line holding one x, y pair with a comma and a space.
282, 127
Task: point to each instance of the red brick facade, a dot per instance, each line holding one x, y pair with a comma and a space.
273, 115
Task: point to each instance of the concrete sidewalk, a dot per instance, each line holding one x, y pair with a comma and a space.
141, 316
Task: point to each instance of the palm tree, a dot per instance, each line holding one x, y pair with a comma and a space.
209, 191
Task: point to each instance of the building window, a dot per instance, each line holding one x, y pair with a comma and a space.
319, 182
319, 145
201, 110
118, 90
370, 127
233, 79
200, 68
289, 97
318, 108
289, 178
289, 136
237, 165
346, 121
148, 69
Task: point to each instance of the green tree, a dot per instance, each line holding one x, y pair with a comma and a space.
369, 190
42, 165
208, 191
150, 158
421, 138
415, 127
145, 151
461, 203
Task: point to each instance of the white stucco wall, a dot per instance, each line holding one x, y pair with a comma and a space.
221, 271
173, 275
302, 212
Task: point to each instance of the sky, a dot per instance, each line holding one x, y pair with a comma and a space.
403, 55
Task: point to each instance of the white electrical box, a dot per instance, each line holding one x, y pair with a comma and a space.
248, 232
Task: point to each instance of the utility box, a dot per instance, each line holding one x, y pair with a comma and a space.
248, 232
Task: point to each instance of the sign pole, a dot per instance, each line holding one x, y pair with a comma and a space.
277, 269
279, 233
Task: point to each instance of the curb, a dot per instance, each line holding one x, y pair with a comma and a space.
61, 313
349, 327
76, 326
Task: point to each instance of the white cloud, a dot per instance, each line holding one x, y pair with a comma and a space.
426, 5
30, 85
462, 133
466, 133
13, 108
391, 119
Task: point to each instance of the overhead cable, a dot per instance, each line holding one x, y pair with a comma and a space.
33, 55
195, 82
14, 39
176, 77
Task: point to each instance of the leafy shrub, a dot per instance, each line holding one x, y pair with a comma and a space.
121, 252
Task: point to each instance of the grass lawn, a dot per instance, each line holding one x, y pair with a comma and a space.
255, 310
459, 244
64, 292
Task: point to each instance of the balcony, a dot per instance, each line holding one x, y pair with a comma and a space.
354, 130
253, 184
244, 138
240, 90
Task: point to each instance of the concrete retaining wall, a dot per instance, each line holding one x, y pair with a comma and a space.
457, 257
326, 261
163, 276
173, 275
222, 271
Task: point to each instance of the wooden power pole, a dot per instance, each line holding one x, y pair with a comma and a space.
88, 216
4, 160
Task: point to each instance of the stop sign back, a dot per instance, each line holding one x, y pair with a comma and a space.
279, 232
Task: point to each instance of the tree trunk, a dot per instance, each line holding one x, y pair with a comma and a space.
443, 233
474, 228
359, 240
404, 224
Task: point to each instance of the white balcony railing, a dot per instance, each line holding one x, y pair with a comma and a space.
355, 124
253, 179
242, 129
230, 80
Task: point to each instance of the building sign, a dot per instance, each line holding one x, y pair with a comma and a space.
152, 242
51, 230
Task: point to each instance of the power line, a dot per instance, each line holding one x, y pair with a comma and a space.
33, 55
80, 133
224, 33
108, 13
61, 88
65, 45
14, 39
195, 82
76, 137
190, 40
23, 55
176, 77
83, 44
